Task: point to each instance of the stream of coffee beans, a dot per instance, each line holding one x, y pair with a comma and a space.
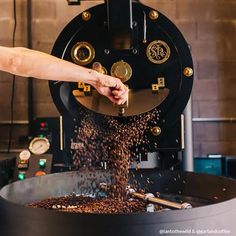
109, 139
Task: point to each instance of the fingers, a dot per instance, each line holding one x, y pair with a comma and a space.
109, 81
116, 101
120, 94
119, 91
110, 86
120, 99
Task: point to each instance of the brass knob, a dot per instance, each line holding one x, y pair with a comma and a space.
188, 71
156, 130
153, 15
121, 70
99, 68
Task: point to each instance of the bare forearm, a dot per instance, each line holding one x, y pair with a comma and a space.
30, 63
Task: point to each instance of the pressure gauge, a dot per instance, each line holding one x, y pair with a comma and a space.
39, 146
24, 155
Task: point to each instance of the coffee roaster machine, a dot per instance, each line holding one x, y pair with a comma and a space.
148, 53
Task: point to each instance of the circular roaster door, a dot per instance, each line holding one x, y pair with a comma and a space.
157, 67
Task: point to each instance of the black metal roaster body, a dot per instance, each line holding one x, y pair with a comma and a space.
212, 197
146, 51
158, 51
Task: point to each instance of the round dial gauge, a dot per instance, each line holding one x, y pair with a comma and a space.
24, 155
39, 146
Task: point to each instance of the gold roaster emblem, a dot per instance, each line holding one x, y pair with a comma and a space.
158, 52
82, 53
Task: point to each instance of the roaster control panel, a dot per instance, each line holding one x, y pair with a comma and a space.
28, 165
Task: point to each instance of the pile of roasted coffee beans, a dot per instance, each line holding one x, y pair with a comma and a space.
85, 204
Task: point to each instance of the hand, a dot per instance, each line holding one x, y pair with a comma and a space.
112, 88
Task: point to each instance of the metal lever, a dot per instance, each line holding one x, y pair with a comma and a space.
147, 197
121, 108
159, 201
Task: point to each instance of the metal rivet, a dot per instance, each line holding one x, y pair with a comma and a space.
135, 51
86, 15
106, 51
188, 71
135, 23
153, 15
156, 130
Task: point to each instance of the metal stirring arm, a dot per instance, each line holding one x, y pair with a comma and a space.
163, 202
149, 198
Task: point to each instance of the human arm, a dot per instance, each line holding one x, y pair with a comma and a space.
30, 63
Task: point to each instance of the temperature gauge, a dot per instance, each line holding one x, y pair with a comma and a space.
39, 146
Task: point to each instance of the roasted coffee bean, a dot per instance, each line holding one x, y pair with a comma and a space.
84, 204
